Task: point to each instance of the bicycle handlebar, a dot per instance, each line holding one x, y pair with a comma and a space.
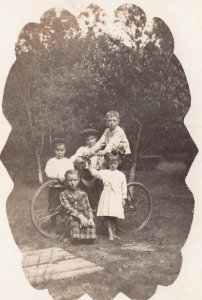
91, 155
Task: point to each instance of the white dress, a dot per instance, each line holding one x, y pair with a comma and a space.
114, 190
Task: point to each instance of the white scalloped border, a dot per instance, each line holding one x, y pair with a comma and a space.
183, 18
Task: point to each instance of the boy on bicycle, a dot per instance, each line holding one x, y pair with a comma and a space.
113, 138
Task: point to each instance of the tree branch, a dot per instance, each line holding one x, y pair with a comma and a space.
24, 139
42, 141
130, 36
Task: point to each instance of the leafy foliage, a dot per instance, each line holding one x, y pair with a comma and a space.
69, 76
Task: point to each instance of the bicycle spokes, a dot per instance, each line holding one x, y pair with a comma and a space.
137, 209
46, 217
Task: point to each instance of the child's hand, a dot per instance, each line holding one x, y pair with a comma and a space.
102, 152
91, 222
80, 160
83, 220
89, 154
86, 153
89, 163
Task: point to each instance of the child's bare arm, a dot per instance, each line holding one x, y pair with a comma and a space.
123, 201
83, 220
93, 171
124, 188
88, 210
91, 222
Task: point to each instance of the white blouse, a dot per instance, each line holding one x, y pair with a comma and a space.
56, 168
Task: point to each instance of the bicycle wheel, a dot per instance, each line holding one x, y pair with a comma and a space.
138, 208
48, 221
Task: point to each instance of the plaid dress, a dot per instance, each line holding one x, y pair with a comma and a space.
76, 203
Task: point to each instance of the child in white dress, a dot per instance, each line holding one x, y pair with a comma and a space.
113, 195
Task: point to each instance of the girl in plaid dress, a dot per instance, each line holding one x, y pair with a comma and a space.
77, 207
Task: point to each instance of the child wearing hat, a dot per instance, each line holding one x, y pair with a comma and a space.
59, 164
88, 183
56, 167
90, 136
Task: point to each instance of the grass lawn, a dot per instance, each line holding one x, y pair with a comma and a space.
135, 273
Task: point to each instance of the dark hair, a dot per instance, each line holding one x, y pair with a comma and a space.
90, 134
113, 156
89, 131
59, 144
72, 172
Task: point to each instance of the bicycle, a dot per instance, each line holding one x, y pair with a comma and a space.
137, 209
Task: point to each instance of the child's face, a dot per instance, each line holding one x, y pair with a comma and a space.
113, 165
90, 141
72, 181
60, 151
112, 122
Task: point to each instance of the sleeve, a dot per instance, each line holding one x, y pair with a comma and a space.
69, 165
80, 152
50, 169
115, 141
88, 212
100, 143
96, 173
66, 204
65, 166
73, 157
124, 187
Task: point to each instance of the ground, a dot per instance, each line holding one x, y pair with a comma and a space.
135, 273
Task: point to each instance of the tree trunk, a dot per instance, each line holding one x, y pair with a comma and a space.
135, 149
39, 169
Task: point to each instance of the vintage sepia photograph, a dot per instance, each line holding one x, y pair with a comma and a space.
98, 153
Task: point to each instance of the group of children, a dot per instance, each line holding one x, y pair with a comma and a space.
101, 159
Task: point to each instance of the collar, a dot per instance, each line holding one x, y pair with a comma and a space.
74, 191
114, 130
72, 195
